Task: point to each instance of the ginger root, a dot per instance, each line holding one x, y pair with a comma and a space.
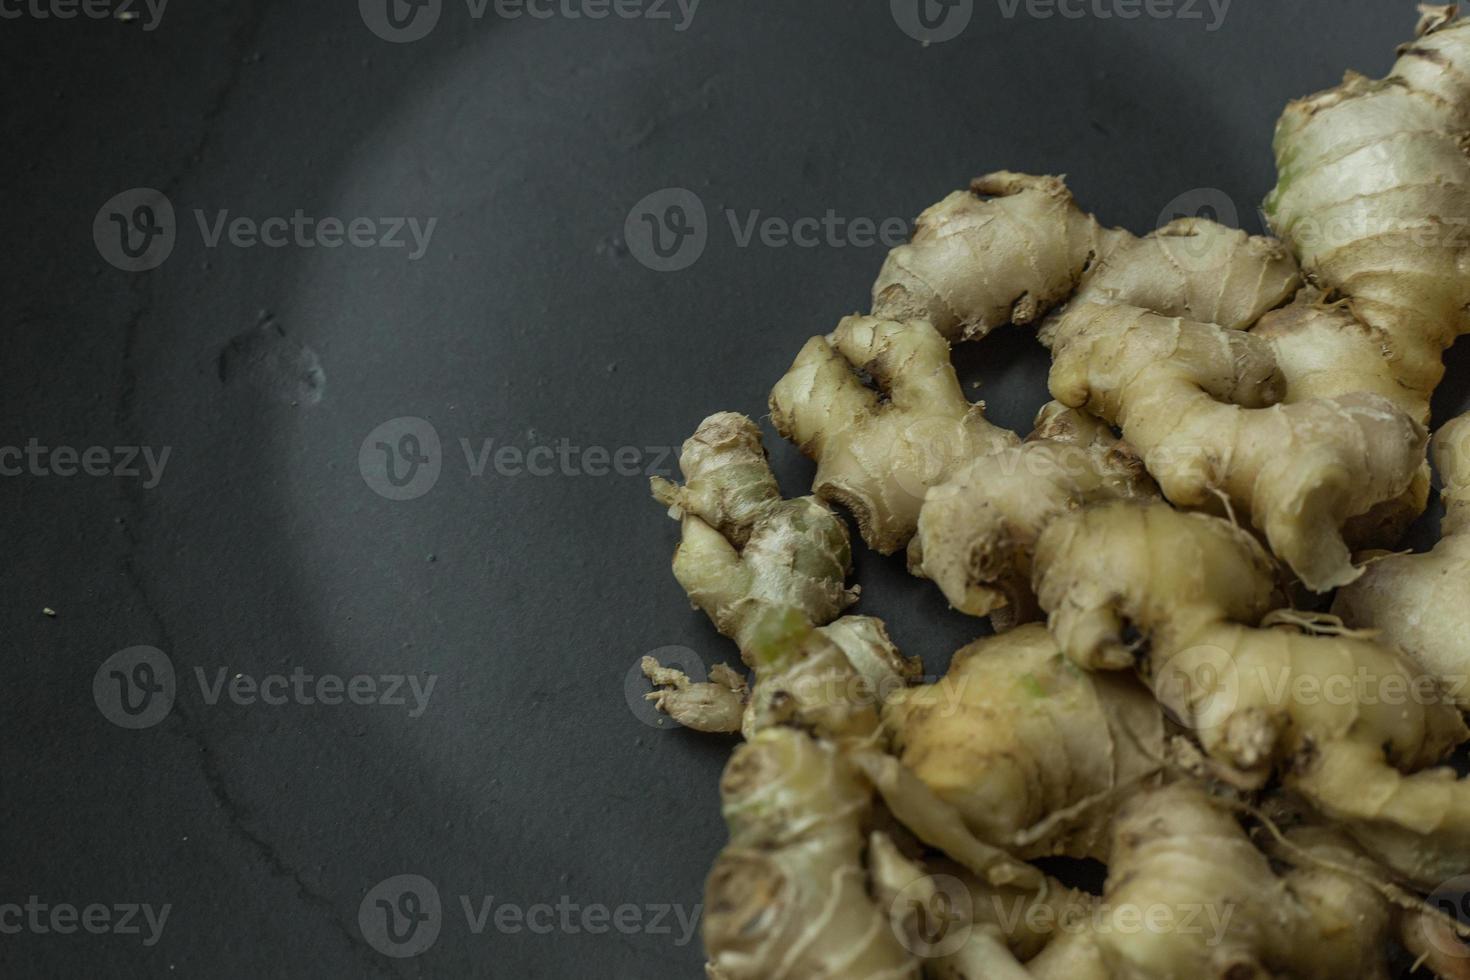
1028, 749
1189, 897
1005, 251
830, 680
978, 530
743, 550
788, 897
1373, 196
1421, 603
1351, 725
1199, 398
877, 457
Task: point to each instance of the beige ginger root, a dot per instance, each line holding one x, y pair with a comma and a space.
1324, 352
830, 680
1150, 341
877, 457
978, 530
1350, 724
1189, 897
1199, 398
1005, 251
788, 898
743, 550
1373, 196
1421, 603
1032, 752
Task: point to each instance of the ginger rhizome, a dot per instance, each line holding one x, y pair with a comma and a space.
1005, 251
830, 680
1350, 724
743, 550
878, 456
1373, 197
1155, 338
1028, 749
1421, 603
1234, 416
978, 530
1190, 897
1199, 397
788, 898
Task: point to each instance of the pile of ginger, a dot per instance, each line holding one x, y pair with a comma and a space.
1209, 670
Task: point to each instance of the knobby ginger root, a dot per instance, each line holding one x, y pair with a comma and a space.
1373, 196
1421, 603
1326, 352
977, 531
1189, 897
788, 898
1006, 251
1348, 723
1199, 398
954, 921
743, 550
830, 680
1014, 736
875, 456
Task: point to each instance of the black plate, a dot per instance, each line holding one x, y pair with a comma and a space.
271, 545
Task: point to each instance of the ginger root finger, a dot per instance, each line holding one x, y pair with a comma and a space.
878, 457
743, 550
1179, 592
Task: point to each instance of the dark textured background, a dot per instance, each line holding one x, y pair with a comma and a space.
529, 320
